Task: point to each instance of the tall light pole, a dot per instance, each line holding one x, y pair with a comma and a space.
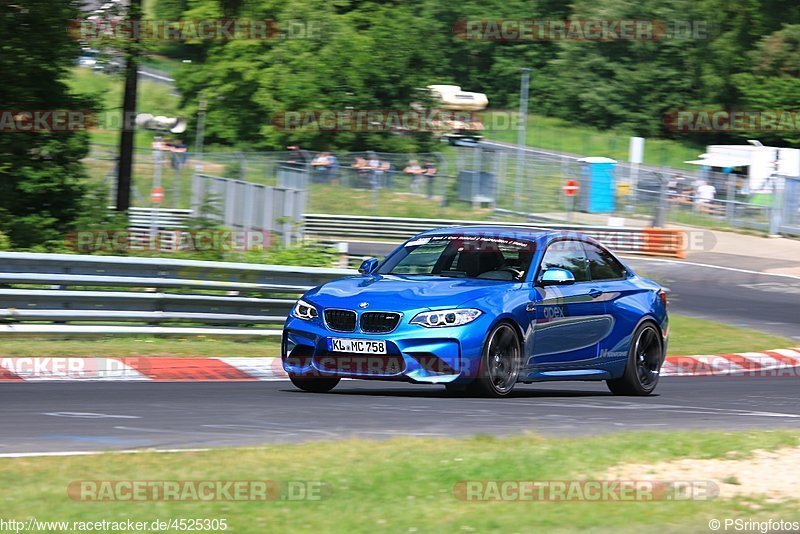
126, 138
521, 131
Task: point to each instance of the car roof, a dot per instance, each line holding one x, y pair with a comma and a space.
494, 229
520, 232
529, 233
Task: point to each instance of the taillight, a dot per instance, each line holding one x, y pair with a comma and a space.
663, 296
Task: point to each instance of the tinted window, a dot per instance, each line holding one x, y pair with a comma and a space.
495, 258
567, 255
602, 264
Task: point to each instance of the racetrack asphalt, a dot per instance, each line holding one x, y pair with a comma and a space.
736, 290
79, 416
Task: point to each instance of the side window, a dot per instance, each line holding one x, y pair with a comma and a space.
567, 255
602, 264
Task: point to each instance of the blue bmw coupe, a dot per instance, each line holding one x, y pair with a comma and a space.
479, 309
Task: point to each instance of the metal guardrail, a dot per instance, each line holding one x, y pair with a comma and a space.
349, 228
164, 217
75, 294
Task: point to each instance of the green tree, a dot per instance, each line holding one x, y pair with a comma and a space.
773, 84
41, 177
376, 55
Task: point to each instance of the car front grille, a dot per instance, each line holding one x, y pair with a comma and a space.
379, 322
341, 320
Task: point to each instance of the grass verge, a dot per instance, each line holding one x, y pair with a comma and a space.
132, 346
337, 200
551, 133
399, 485
687, 336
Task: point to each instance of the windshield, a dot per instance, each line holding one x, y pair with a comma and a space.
490, 258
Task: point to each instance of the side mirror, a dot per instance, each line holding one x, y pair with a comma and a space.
556, 277
368, 266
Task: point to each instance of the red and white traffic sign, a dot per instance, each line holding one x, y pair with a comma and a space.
157, 195
570, 188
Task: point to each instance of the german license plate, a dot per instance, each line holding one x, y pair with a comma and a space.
358, 346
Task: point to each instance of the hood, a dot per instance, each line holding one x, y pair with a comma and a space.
397, 292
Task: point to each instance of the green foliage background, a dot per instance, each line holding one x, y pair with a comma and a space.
41, 177
376, 55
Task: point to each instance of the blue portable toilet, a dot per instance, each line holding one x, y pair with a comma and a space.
598, 185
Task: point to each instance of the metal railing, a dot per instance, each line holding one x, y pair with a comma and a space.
75, 294
491, 174
79, 294
348, 228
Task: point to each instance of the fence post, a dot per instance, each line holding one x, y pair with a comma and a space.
776, 209
250, 200
660, 216
242, 166
343, 249
155, 205
730, 210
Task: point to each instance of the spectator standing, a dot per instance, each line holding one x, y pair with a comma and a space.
414, 171
385, 169
429, 171
333, 167
296, 159
178, 150
375, 171
359, 165
321, 165
705, 195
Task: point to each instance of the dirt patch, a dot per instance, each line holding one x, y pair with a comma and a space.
771, 474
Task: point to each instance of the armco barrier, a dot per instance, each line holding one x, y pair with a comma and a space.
349, 228
74, 294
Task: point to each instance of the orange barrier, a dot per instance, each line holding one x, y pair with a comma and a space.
664, 242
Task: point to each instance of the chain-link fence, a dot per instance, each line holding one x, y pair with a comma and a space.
466, 182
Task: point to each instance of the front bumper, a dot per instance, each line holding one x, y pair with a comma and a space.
414, 353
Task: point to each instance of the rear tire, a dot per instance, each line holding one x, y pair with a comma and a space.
314, 384
500, 363
644, 364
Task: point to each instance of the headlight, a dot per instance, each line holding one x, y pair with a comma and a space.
304, 310
435, 319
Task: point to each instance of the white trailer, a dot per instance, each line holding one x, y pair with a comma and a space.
765, 166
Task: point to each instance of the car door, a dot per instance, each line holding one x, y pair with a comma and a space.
610, 277
569, 319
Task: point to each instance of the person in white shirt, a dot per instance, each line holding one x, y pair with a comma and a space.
705, 193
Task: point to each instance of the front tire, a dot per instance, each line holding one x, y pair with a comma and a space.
314, 384
644, 362
500, 363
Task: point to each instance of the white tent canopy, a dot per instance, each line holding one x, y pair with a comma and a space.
718, 160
